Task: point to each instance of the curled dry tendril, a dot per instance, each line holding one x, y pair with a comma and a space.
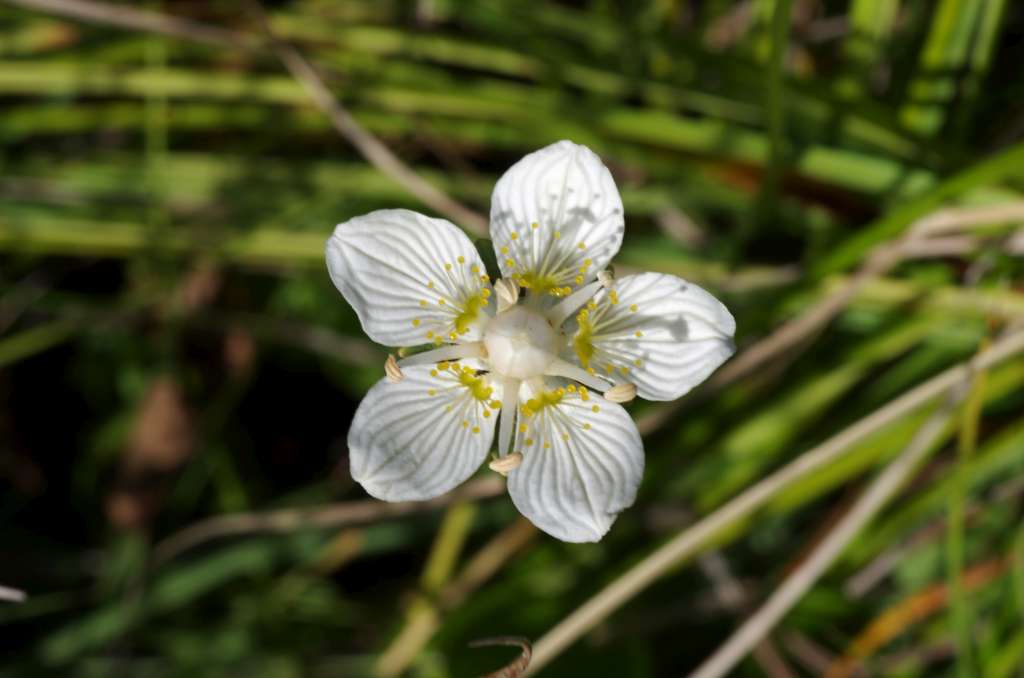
516, 667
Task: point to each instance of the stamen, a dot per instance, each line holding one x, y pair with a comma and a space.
508, 293
392, 370
622, 393
507, 463
510, 398
561, 368
565, 308
469, 350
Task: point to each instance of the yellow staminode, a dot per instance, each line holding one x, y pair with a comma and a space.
582, 341
592, 323
471, 310
478, 388
541, 400
542, 284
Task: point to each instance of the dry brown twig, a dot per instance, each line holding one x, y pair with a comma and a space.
318, 517
372, 148
131, 18
815, 658
680, 226
485, 562
309, 337
368, 145
734, 596
518, 665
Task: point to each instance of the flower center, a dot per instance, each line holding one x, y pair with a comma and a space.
520, 343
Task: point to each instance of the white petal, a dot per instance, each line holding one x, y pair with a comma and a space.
421, 437
582, 465
409, 277
556, 218
657, 331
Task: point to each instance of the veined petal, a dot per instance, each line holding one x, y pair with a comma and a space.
582, 464
657, 331
423, 436
556, 219
411, 279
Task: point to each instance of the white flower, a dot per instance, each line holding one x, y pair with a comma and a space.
534, 368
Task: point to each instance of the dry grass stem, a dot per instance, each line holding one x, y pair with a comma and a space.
733, 596
694, 538
373, 149
320, 517
919, 242
782, 600
131, 18
872, 574
815, 658
308, 337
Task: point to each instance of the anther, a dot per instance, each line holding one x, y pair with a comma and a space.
508, 293
392, 370
622, 393
509, 462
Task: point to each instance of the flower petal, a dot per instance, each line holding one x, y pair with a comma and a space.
582, 464
411, 279
556, 219
423, 436
657, 331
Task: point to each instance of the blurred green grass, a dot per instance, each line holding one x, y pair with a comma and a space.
171, 348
